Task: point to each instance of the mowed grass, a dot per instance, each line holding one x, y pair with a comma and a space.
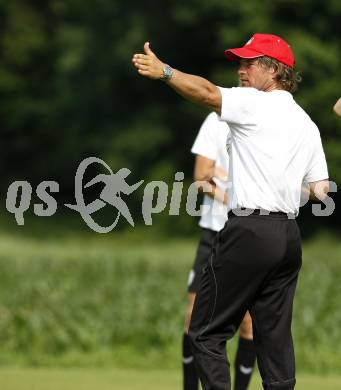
114, 379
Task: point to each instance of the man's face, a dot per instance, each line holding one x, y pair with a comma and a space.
252, 74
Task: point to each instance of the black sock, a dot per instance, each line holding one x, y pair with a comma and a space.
190, 376
244, 363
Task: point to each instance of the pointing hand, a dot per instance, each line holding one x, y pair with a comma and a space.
148, 64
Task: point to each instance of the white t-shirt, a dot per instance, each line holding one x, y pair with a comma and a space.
212, 142
275, 146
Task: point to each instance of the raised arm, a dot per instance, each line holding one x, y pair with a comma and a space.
193, 88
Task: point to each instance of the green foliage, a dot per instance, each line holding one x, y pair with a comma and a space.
74, 300
103, 301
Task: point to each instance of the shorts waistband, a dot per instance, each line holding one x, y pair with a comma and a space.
245, 212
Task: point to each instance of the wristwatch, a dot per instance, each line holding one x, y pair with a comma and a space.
167, 73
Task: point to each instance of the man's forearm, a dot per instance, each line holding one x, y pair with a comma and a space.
210, 189
194, 88
207, 174
317, 191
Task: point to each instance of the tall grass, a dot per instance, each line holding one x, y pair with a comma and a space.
110, 300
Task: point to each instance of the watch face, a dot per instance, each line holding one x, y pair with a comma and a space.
167, 71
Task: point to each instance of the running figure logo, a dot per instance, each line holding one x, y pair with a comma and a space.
115, 184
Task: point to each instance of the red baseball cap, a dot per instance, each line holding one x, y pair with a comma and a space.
264, 45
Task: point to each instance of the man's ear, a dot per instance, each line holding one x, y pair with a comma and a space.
274, 73
273, 70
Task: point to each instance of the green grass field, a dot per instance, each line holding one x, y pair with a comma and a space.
113, 306
110, 379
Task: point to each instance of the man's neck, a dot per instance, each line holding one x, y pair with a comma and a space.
273, 87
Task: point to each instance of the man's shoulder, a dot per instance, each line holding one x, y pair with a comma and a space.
213, 122
306, 118
240, 91
212, 117
307, 124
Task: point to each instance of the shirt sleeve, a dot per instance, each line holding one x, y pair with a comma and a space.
240, 105
317, 167
205, 143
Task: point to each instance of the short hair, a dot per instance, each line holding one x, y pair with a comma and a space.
286, 76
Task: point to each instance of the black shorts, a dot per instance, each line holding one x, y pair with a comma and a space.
201, 259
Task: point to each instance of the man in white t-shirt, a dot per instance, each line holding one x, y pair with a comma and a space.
211, 148
256, 258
